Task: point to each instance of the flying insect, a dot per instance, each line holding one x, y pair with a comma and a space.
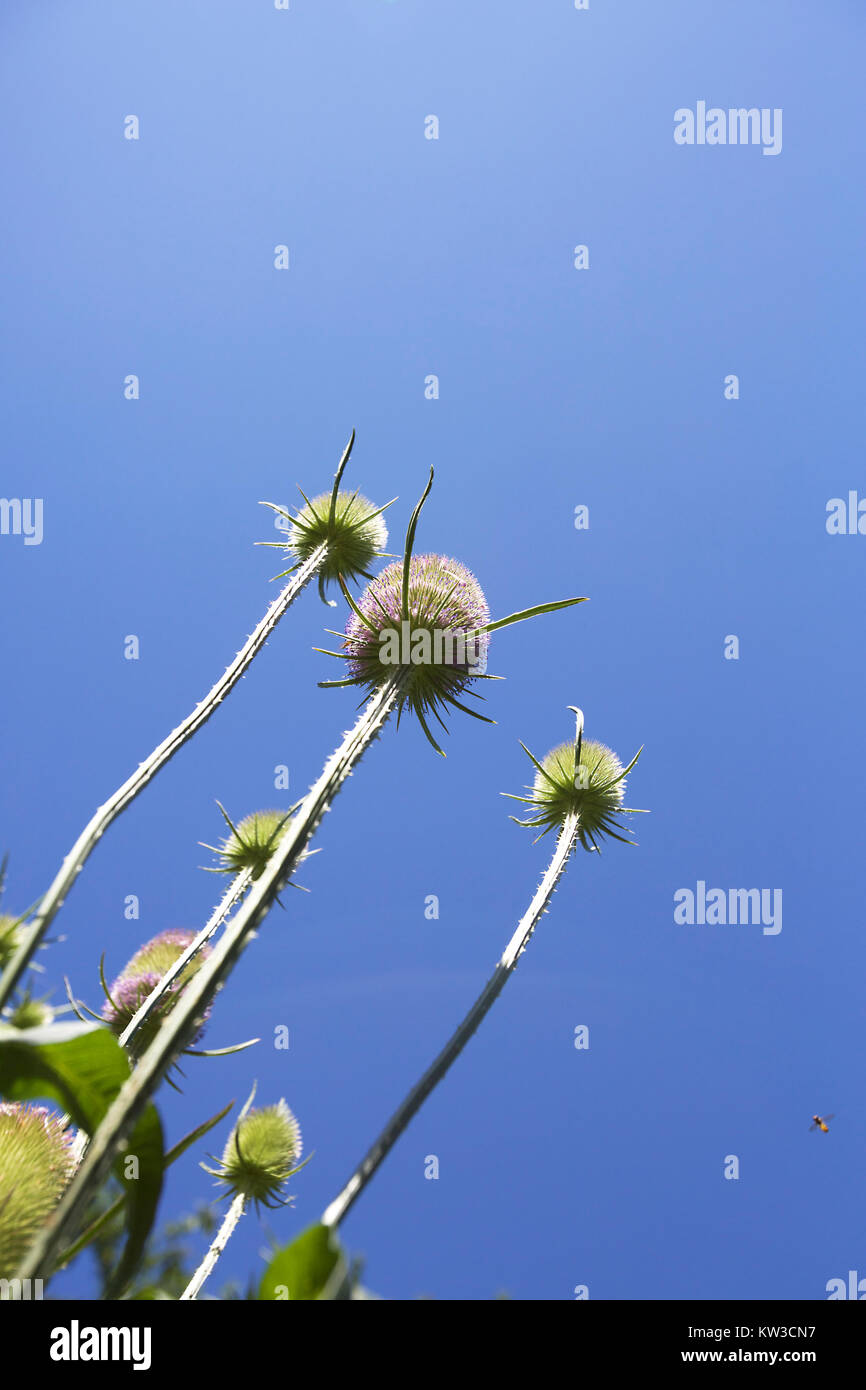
820, 1122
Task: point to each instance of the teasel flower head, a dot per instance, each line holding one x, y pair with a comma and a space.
425, 618
581, 778
443, 598
350, 525
37, 1160
249, 844
140, 977
29, 1012
11, 933
261, 1154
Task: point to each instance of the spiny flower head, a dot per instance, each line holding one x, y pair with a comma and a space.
251, 842
437, 641
425, 621
11, 933
350, 526
356, 535
36, 1163
140, 977
29, 1012
261, 1154
581, 778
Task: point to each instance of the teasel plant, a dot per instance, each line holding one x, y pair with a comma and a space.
260, 1157
431, 597
578, 792
440, 595
339, 532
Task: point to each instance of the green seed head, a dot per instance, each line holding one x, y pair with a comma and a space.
30, 1013
582, 778
350, 526
355, 533
261, 1154
251, 842
36, 1163
11, 931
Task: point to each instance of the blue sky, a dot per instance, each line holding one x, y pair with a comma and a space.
557, 388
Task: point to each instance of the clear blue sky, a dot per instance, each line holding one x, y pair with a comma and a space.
558, 387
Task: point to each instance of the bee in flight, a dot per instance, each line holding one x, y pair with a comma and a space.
820, 1122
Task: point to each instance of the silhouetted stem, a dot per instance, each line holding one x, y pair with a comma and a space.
75, 860
379, 1151
218, 1245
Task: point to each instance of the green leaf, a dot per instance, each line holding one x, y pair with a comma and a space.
305, 1269
82, 1066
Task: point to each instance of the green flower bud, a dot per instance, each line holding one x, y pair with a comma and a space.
356, 534
29, 1013
261, 1154
36, 1163
11, 933
251, 842
351, 527
581, 778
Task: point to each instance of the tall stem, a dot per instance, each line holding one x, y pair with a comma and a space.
75, 860
218, 1245
379, 1151
177, 1028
